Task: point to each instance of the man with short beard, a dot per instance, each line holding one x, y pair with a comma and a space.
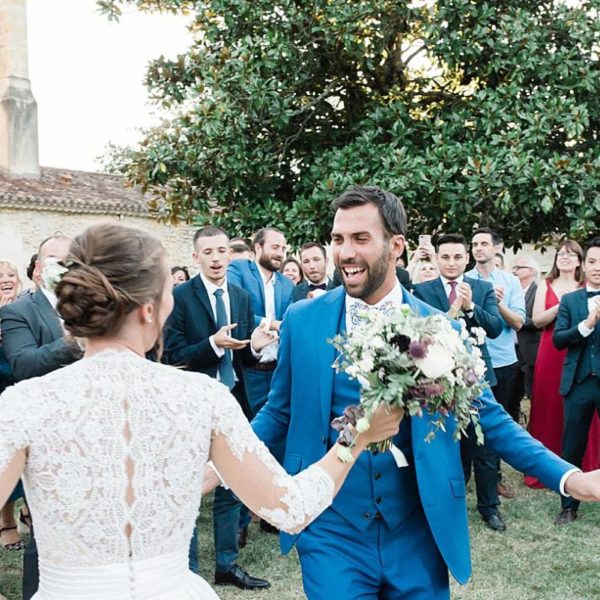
271, 294
390, 532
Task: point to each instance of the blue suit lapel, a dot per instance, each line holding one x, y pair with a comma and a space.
261, 287
582, 305
202, 294
328, 329
47, 315
440, 292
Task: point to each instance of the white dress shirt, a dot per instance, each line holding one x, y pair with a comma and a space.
269, 353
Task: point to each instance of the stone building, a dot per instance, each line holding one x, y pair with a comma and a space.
37, 202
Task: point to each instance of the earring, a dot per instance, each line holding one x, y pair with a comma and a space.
148, 319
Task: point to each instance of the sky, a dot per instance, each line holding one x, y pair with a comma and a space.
87, 76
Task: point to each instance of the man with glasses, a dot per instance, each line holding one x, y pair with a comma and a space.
526, 270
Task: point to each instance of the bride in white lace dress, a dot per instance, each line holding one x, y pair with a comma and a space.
113, 448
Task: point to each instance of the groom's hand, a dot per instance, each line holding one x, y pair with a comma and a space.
584, 486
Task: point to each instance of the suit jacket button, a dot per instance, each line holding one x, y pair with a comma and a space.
378, 500
367, 516
323, 440
377, 476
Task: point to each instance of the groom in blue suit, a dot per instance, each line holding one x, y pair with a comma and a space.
390, 532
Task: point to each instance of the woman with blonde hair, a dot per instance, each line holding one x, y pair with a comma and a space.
113, 448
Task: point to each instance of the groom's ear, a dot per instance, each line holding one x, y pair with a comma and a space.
397, 244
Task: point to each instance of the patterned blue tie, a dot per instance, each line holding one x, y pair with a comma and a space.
226, 372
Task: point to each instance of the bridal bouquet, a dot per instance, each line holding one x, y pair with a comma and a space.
420, 364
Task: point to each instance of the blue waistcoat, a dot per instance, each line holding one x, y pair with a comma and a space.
375, 484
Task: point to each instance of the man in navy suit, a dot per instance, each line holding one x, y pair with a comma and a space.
476, 302
577, 329
313, 260
35, 344
211, 330
390, 532
271, 294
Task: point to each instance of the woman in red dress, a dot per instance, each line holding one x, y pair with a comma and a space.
546, 419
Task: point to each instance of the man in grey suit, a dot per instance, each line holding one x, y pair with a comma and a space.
527, 271
34, 343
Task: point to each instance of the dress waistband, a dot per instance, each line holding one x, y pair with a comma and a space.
132, 580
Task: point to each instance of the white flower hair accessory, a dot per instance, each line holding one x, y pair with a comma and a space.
53, 272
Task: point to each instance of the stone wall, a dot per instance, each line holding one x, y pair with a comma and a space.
21, 231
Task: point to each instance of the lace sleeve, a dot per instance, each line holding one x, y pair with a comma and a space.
14, 440
247, 466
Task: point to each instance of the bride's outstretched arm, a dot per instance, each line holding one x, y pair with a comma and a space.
289, 503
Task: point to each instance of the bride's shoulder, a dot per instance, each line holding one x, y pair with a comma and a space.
195, 384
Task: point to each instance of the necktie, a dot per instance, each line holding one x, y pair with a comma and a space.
313, 286
593, 294
452, 294
226, 372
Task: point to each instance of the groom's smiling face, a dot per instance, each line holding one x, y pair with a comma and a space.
364, 253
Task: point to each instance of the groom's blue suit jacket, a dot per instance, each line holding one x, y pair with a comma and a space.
299, 410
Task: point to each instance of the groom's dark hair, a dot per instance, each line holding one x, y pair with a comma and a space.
390, 208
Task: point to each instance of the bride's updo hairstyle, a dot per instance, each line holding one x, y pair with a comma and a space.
111, 271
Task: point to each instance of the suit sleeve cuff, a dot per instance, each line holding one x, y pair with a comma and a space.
218, 351
584, 330
564, 478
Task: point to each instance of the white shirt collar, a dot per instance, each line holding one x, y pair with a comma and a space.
395, 296
591, 289
447, 281
266, 281
211, 288
50, 296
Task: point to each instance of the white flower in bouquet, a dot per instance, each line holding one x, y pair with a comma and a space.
420, 364
52, 273
438, 362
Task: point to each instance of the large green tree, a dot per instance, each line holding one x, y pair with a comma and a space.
472, 112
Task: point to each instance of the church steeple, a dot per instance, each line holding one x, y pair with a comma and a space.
18, 108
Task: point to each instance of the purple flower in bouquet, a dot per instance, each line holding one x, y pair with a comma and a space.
418, 350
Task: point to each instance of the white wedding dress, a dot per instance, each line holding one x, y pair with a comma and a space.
116, 448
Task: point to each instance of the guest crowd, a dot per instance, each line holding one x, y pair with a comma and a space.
541, 341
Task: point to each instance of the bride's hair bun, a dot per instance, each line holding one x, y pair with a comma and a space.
112, 270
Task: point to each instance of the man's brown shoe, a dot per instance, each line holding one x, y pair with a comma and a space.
504, 491
565, 516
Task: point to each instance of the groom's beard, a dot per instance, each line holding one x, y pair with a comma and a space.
376, 274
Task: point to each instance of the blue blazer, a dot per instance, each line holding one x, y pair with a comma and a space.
33, 337
299, 411
485, 315
245, 274
192, 322
572, 310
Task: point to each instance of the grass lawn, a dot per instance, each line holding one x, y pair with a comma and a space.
532, 560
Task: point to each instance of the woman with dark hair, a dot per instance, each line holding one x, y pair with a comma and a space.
179, 275
546, 419
292, 270
113, 448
